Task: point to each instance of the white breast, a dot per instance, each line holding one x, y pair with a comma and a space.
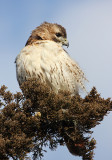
48, 62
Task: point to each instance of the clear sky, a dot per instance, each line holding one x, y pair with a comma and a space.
89, 28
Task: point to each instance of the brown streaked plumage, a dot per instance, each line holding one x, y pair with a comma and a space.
44, 58
47, 31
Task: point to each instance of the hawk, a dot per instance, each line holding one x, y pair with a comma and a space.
44, 58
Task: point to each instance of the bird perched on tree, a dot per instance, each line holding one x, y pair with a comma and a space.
44, 58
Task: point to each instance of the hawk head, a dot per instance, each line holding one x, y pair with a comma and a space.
49, 31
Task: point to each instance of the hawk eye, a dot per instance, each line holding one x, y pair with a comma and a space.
58, 34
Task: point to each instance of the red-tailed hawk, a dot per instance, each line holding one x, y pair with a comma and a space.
44, 58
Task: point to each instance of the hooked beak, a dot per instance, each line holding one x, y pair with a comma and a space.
65, 42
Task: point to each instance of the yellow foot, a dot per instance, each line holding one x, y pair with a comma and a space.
37, 114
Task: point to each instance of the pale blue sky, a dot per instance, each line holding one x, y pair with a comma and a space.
89, 28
